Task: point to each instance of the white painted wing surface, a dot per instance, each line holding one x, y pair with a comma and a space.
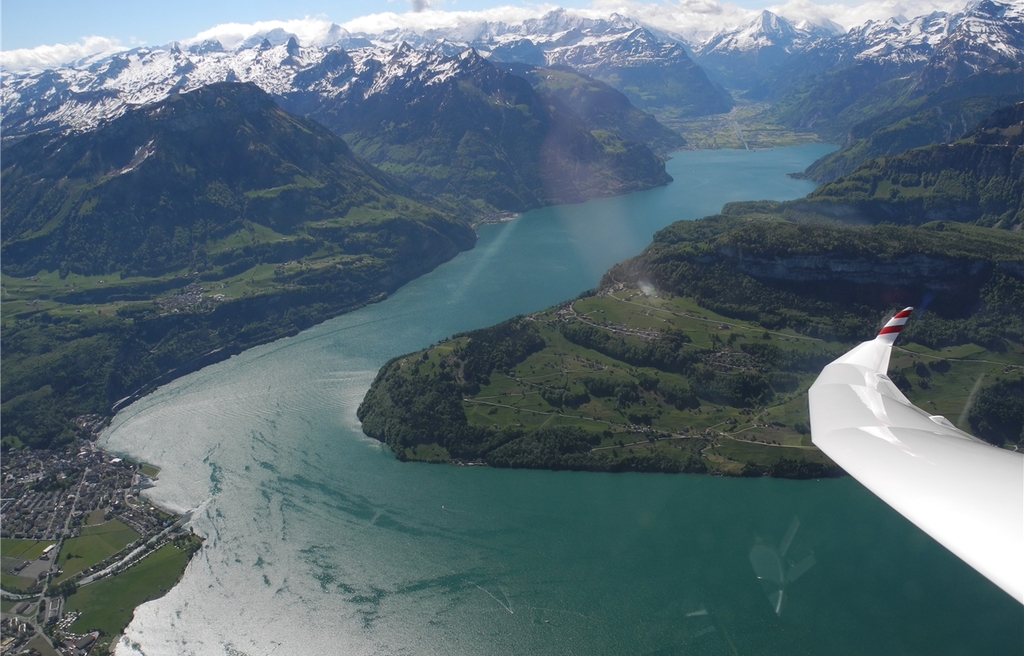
965, 493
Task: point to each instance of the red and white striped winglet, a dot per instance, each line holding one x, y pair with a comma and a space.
892, 329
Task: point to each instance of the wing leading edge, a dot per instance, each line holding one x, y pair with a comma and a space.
965, 493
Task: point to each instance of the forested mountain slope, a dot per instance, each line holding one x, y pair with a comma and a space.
978, 178
940, 116
181, 233
461, 128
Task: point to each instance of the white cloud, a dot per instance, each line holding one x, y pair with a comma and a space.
436, 19
850, 16
695, 19
309, 31
42, 57
691, 19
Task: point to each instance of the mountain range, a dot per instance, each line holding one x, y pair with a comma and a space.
740, 58
157, 189
80, 95
834, 84
460, 126
772, 54
794, 63
448, 124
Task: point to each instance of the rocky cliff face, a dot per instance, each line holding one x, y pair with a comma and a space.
939, 273
825, 278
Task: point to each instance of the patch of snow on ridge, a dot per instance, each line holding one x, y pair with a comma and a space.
142, 153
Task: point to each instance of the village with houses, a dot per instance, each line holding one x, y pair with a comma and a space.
81, 548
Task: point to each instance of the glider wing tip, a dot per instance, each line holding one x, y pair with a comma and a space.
893, 327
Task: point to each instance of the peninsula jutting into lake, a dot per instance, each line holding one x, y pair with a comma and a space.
696, 355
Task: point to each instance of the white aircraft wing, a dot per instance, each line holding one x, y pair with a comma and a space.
965, 493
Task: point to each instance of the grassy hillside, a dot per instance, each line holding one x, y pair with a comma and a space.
182, 233
941, 122
978, 178
696, 355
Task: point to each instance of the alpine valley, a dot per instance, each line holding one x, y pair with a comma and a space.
165, 207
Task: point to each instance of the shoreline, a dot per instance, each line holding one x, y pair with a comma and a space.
182, 373
498, 217
144, 552
272, 299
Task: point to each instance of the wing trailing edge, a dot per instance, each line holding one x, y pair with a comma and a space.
965, 493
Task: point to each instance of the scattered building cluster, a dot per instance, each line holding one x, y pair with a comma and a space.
16, 632
19, 633
46, 494
74, 644
50, 496
189, 299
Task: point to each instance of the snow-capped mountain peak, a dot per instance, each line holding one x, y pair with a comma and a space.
208, 45
274, 37
332, 62
562, 20
80, 97
821, 26
770, 24
987, 33
768, 30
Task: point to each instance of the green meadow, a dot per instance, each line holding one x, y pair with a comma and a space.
108, 604
95, 544
727, 392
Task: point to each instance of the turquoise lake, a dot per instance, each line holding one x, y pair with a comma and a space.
320, 542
